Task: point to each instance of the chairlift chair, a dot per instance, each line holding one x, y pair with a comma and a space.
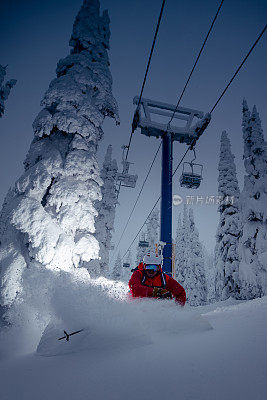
143, 243
126, 265
191, 176
124, 178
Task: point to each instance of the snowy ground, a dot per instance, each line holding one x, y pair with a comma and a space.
152, 350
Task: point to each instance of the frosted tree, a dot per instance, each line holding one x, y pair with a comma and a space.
195, 279
128, 257
117, 269
181, 241
152, 228
177, 242
47, 220
127, 266
104, 222
210, 273
4, 89
190, 263
142, 248
151, 236
253, 243
229, 228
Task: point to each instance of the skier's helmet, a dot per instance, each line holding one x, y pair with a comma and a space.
152, 261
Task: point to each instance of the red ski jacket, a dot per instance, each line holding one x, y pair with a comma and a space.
142, 286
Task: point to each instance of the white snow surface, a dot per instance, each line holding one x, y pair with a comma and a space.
136, 349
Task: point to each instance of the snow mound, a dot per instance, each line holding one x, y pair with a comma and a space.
88, 339
114, 324
239, 306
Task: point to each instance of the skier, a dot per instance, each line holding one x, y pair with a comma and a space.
148, 280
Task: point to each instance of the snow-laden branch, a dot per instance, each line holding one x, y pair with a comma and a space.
4, 89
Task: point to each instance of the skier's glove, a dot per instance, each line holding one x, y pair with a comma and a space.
161, 293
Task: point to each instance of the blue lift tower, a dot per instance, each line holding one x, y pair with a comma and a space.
187, 134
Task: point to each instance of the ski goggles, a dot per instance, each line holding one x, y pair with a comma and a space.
152, 267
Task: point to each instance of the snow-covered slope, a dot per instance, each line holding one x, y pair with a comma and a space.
149, 350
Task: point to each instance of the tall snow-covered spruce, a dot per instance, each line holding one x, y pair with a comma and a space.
195, 276
151, 236
47, 220
178, 246
127, 266
253, 243
190, 263
229, 228
140, 249
181, 242
4, 89
152, 228
117, 268
104, 222
210, 273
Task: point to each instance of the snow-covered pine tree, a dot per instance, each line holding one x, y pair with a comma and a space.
195, 279
253, 243
47, 220
181, 241
104, 222
126, 271
128, 257
177, 241
152, 229
210, 273
151, 235
117, 269
141, 250
4, 89
190, 263
229, 228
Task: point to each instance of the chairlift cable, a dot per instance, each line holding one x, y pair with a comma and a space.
136, 201
154, 205
233, 77
141, 227
177, 105
213, 108
197, 59
151, 51
239, 68
147, 68
145, 78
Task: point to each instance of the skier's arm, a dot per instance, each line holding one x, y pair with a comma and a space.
137, 288
176, 290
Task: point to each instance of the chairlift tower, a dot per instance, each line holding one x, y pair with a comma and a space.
187, 134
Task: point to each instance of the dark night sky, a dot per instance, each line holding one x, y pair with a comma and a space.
34, 36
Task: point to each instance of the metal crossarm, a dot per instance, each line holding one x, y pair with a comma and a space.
182, 134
